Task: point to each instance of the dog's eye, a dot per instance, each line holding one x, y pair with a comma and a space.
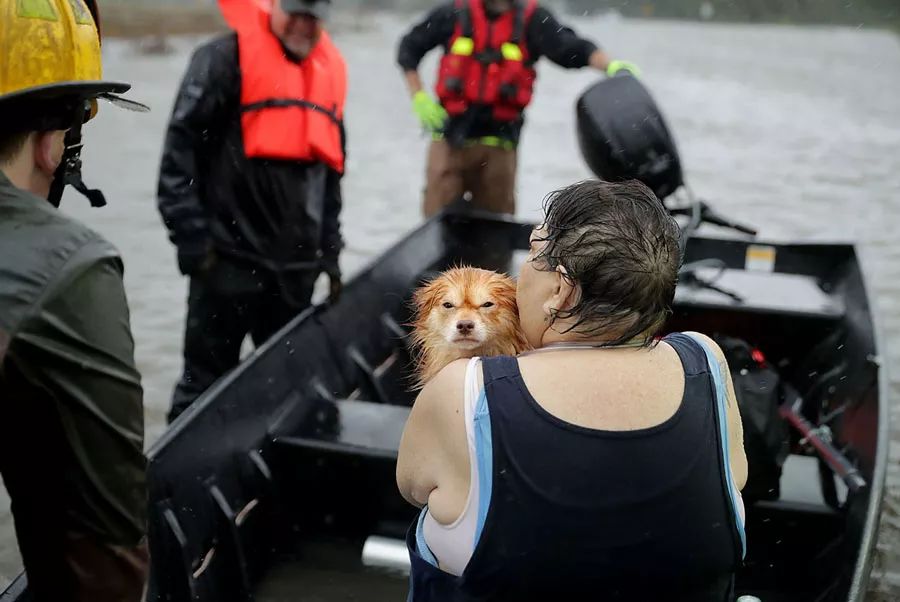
448, 305
488, 304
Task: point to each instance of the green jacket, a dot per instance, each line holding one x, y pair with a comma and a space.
65, 340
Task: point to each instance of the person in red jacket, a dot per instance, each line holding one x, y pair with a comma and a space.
485, 82
250, 180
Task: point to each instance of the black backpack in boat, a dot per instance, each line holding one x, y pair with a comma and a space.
759, 392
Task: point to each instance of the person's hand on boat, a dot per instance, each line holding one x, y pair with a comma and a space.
335, 288
429, 111
335, 285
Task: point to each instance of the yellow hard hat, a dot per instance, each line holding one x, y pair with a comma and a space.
51, 49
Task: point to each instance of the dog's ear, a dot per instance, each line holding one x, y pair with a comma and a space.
507, 295
505, 291
426, 296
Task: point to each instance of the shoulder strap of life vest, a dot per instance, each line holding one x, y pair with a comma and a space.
524, 12
464, 20
291, 102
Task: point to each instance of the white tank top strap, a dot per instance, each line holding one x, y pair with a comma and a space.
453, 544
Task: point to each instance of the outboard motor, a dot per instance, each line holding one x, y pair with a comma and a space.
622, 135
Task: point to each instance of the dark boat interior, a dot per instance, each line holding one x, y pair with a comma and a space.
270, 486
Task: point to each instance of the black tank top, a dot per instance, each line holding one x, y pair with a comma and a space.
584, 514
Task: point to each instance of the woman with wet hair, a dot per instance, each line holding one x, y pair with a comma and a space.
606, 464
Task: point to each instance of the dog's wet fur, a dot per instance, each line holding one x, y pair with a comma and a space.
464, 312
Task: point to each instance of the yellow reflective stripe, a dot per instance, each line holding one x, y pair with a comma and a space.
463, 46
82, 15
511, 52
36, 9
494, 141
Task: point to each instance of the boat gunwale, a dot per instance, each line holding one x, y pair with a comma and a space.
862, 573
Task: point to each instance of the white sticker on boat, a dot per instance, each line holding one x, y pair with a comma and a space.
760, 258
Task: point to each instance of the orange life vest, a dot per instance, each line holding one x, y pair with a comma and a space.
487, 62
291, 111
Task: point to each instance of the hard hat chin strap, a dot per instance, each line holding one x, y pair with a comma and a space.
69, 169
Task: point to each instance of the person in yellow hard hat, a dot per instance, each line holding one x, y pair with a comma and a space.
71, 402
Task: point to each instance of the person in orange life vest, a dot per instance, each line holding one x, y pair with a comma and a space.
484, 84
250, 180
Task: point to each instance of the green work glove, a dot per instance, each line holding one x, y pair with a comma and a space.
429, 111
616, 66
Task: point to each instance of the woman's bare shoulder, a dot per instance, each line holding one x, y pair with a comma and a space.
448, 384
709, 341
440, 403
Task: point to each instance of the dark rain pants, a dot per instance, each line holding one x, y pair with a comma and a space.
226, 304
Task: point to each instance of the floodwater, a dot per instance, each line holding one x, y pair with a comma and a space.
795, 130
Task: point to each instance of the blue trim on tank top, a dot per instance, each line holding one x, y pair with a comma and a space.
424, 551
484, 456
721, 402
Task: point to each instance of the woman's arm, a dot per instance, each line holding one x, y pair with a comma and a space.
733, 418
735, 427
433, 450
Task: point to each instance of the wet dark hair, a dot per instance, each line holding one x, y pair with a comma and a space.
620, 245
10, 145
33, 115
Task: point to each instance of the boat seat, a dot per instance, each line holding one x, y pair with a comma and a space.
791, 295
794, 295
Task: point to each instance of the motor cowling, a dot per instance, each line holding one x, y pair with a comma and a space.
623, 136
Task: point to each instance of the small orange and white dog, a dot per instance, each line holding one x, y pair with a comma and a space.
464, 312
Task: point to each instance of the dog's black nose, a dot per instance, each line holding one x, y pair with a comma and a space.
465, 326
